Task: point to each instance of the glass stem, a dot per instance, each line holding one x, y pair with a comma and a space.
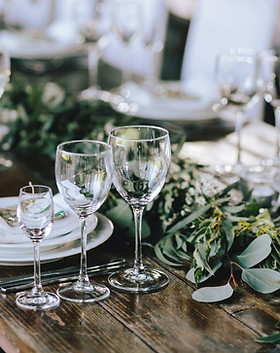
138, 268
83, 276
93, 57
277, 125
126, 69
37, 288
239, 119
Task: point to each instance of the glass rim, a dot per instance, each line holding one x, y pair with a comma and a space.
26, 187
125, 127
71, 142
239, 52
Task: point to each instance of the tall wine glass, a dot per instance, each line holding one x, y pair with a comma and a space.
153, 27
237, 78
125, 20
93, 24
141, 158
35, 213
269, 78
5, 73
83, 170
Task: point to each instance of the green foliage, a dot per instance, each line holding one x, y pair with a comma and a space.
193, 222
41, 116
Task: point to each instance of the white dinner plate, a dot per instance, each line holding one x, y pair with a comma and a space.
48, 243
36, 45
173, 101
101, 233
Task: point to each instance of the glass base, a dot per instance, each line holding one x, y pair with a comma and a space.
150, 281
83, 294
42, 302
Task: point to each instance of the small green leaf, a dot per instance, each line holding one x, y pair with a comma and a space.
261, 279
269, 339
194, 215
213, 294
257, 251
190, 273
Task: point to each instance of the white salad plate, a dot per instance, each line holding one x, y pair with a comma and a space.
101, 233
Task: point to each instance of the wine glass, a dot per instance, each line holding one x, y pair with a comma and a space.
237, 79
93, 24
269, 78
141, 158
5, 73
35, 214
125, 20
153, 27
83, 170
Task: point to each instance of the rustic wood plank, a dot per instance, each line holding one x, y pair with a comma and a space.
171, 321
69, 328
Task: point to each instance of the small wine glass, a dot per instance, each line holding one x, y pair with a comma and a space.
93, 25
125, 21
237, 78
35, 214
269, 79
141, 158
83, 170
5, 73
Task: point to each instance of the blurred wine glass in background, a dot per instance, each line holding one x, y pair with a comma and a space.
93, 24
237, 79
5, 73
125, 22
153, 19
269, 78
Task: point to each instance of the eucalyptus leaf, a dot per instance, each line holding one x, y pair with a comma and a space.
269, 339
255, 252
263, 280
160, 255
194, 215
213, 294
190, 274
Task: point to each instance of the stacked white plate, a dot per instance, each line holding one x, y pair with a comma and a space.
64, 240
174, 101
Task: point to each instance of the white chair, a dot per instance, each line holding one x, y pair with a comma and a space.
218, 25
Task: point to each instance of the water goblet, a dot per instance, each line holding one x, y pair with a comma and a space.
83, 171
35, 214
141, 158
237, 78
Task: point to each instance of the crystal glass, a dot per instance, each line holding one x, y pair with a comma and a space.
269, 79
153, 18
93, 24
83, 171
125, 20
141, 158
237, 78
5, 73
35, 214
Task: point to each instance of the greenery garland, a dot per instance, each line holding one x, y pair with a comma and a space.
202, 226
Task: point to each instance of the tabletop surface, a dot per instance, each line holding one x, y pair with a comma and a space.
165, 321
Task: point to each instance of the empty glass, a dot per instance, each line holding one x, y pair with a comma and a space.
35, 215
141, 158
83, 171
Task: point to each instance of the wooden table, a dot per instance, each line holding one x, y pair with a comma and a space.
166, 321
